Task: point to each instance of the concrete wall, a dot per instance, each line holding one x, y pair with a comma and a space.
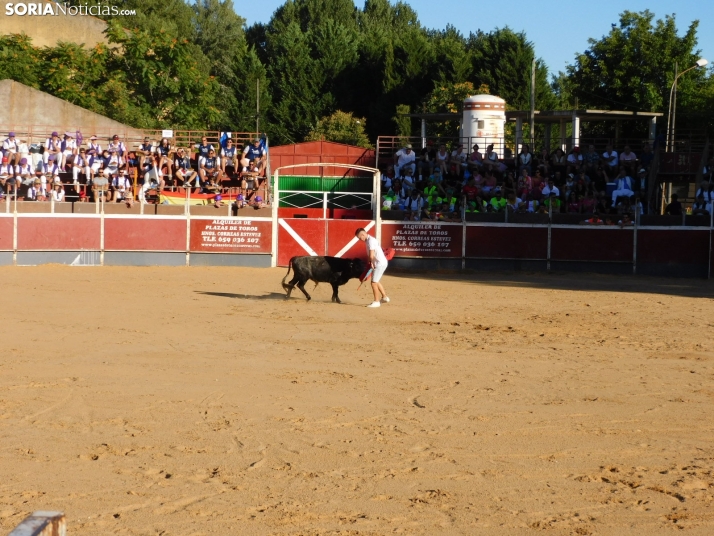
49, 30
33, 114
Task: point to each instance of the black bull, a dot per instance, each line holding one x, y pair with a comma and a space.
332, 270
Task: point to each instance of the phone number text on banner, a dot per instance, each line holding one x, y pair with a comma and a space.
231, 236
423, 239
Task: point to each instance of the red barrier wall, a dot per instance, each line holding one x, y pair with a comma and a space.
321, 151
312, 232
673, 247
422, 239
6, 229
54, 233
231, 236
337, 213
144, 234
507, 242
590, 244
342, 232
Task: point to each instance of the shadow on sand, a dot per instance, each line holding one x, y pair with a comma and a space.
270, 296
691, 288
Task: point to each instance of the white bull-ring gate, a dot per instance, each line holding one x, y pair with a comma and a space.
376, 187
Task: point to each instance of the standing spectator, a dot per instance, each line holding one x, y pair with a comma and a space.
623, 187
525, 159
404, 158
674, 208
612, 162
52, 147
254, 153
11, 149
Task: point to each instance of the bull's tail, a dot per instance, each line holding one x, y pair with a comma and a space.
286, 288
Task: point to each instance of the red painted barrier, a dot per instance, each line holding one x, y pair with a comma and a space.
144, 234
507, 242
591, 244
7, 225
423, 239
673, 246
336, 213
58, 233
341, 234
298, 237
231, 236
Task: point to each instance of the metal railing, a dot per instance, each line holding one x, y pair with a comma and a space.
326, 200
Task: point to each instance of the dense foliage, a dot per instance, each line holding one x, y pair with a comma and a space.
317, 65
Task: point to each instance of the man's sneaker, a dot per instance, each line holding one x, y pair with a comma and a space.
374, 304
385, 299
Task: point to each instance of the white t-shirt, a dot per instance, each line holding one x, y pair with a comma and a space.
461, 157
404, 158
607, 155
628, 157
372, 244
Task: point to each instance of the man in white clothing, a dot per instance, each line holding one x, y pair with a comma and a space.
611, 160
623, 187
378, 262
405, 158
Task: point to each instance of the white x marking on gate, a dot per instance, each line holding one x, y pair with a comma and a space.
353, 241
297, 237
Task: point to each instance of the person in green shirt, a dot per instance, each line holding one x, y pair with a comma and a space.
389, 200
498, 202
552, 200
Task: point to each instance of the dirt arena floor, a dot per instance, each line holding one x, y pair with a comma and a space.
177, 401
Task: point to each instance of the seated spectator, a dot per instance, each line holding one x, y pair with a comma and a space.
551, 188
626, 220
414, 206
441, 161
489, 184
558, 161
552, 202
211, 186
33, 191
543, 161
57, 192
470, 191
525, 159
641, 182
588, 203
182, 165
68, 147
646, 157
119, 188
510, 185
623, 187
611, 161
229, 158
475, 160
254, 153
209, 167
600, 179
706, 191
674, 208
79, 165
591, 159
575, 159
24, 172
572, 204
95, 161
11, 149
110, 164
407, 178
164, 152
458, 161
7, 171
569, 185
628, 159
118, 147
390, 200
49, 171
700, 207
94, 146
146, 155
387, 177
498, 202
404, 158
52, 147
425, 160
513, 203
594, 220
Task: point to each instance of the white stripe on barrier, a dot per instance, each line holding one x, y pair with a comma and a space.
353, 241
297, 237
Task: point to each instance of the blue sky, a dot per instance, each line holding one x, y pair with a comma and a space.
559, 30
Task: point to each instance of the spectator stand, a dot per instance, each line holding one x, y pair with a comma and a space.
36, 135
321, 221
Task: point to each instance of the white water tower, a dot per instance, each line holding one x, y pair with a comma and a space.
483, 122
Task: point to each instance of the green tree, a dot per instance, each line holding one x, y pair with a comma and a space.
340, 127
19, 60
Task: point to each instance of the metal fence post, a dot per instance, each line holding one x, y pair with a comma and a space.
550, 234
634, 239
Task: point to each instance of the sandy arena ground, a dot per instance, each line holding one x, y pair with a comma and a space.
175, 401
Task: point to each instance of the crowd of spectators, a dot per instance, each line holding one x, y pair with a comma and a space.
66, 168
441, 183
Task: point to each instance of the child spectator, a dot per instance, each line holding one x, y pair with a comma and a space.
525, 184
552, 202
414, 206
498, 202
57, 192
11, 149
